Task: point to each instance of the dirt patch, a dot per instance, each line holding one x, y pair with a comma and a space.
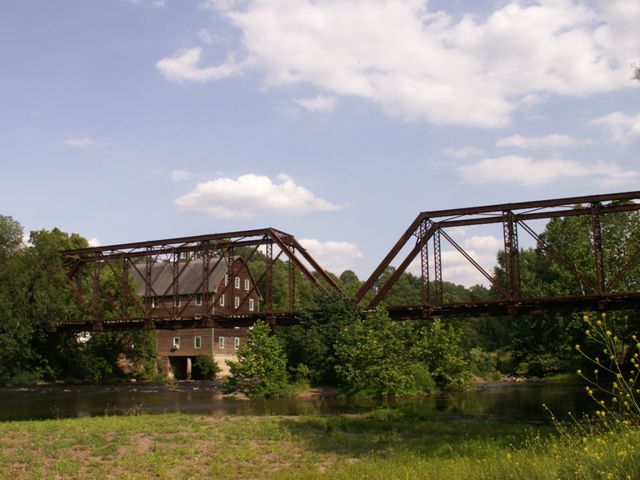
318, 393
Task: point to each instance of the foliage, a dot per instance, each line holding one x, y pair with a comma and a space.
441, 350
313, 341
204, 368
35, 293
482, 363
371, 357
261, 369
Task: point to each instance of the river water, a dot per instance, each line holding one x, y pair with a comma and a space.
522, 402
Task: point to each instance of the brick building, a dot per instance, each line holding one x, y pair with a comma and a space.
228, 291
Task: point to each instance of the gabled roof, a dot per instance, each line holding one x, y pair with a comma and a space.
189, 280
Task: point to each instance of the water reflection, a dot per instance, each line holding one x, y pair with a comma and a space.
518, 402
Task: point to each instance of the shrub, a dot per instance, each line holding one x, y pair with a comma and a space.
204, 368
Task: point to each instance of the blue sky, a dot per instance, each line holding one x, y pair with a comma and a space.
335, 120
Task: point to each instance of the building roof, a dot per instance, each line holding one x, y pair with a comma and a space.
189, 280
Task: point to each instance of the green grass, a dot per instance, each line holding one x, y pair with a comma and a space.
382, 444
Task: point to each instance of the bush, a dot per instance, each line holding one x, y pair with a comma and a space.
261, 369
204, 368
483, 364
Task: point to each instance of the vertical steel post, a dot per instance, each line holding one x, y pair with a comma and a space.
204, 291
269, 278
292, 283
512, 254
95, 302
437, 267
597, 248
424, 265
176, 285
125, 288
147, 285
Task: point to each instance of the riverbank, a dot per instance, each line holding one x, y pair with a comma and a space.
385, 443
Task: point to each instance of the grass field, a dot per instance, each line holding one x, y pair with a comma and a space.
382, 444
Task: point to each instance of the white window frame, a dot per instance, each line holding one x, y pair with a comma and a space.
197, 342
236, 342
179, 304
155, 303
221, 301
221, 342
237, 283
236, 302
247, 284
252, 305
175, 343
226, 279
198, 299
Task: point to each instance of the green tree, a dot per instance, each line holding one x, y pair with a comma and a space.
440, 349
261, 368
372, 357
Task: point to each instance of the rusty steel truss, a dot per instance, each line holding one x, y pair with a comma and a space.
435, 227
88, 267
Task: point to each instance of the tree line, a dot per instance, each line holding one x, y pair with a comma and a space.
327, 348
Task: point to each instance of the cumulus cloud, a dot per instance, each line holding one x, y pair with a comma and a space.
555, 140
333, 256
622, 128
94, 242
78, 142
529, 172
184, 65
319, 103
180, 175
420, 64
251, 195
463, 152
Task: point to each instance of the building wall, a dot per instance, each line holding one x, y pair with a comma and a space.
211, 345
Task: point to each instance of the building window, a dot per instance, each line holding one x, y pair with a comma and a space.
236, 302
154, 302
177, 302
222, 300
252, 305
221, 342
236, 342
198, 299
176, 342
237, 282
226, 279
197, 342
246, 284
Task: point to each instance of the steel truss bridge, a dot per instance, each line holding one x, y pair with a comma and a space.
602, 288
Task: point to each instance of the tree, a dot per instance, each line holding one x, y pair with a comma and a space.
261, 368
371, 357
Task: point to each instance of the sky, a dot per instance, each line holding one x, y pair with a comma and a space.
337, 121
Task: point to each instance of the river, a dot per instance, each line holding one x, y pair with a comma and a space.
521, 402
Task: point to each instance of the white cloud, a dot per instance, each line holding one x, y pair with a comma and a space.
423, 65
94, 242
205, 36
622, 128
463, 152
333, 256
184, 65
251, 195
180, 175
79, 142
555, 140
529, 172
319, 103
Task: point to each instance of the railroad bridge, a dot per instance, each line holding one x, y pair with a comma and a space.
101, 276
